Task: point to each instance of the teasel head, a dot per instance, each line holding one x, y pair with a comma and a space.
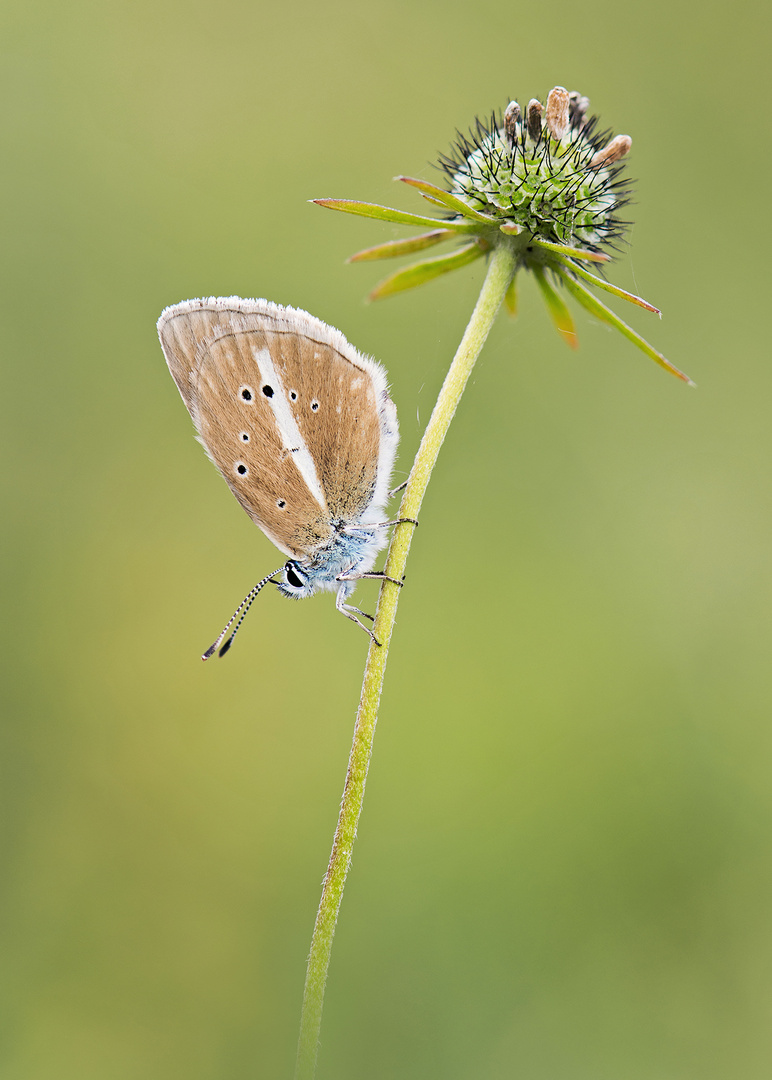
542, 178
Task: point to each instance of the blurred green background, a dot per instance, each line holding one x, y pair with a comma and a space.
563, 867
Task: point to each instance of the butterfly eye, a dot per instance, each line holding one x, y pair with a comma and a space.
293, 578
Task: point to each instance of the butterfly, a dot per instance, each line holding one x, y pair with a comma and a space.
300, 425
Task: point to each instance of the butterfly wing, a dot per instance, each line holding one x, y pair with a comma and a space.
298, 422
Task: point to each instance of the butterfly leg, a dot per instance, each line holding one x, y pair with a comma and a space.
356, 575
351, 612
397, 521
383, 577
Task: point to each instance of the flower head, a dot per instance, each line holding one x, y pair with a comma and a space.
543, 180
544, 170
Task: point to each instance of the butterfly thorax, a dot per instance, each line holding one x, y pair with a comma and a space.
351, 551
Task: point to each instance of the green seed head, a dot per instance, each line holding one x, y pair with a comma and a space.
546, 170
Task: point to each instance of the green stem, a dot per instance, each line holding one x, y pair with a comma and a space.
500, 272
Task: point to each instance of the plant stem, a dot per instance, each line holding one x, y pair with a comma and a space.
500, 272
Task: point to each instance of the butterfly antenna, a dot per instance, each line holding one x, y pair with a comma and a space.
239, 614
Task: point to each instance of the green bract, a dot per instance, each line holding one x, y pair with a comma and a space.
546, 183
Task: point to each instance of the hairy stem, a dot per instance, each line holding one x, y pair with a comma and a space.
500, 272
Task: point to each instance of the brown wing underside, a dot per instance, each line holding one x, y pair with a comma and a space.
337, 415
212, 354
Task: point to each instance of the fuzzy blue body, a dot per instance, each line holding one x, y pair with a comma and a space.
335, 567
